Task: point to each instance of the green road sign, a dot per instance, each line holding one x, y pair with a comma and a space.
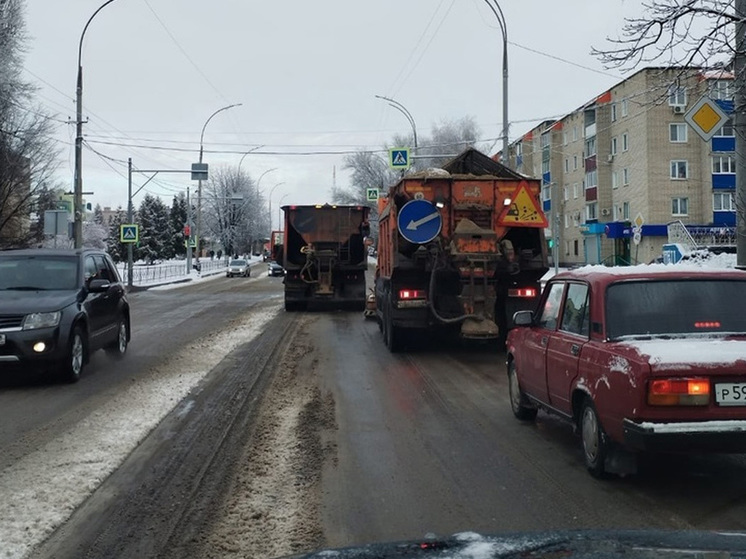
399, 158
129, 233
371, 194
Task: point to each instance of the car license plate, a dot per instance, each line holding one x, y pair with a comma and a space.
731, 394
2, 339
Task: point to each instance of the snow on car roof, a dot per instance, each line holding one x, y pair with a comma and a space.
644, 271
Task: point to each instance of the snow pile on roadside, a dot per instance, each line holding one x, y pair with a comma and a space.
42, 490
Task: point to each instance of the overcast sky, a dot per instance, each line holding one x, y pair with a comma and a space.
306, 73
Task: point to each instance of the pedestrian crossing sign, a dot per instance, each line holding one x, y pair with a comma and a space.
371, 194
129, 233
399, 158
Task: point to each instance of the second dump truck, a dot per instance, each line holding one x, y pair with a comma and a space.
460, 249
324, 256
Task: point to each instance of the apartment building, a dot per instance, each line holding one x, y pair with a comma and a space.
628, 158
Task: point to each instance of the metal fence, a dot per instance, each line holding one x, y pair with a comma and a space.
170, 271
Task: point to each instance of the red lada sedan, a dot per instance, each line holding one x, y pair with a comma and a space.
645, 358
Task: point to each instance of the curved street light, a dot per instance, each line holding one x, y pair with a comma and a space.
271, 191
495, 7
78, 182
199, 183
403, 110
279, 208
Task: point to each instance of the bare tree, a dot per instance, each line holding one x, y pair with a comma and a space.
235, 212
675, 33
27, 152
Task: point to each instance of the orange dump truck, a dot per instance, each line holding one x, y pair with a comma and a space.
324, 255
460, 249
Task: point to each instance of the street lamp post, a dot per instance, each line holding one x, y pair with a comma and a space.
279, 208
403, 110
495, 7
199, 183
272, 190
258, 182
78, 183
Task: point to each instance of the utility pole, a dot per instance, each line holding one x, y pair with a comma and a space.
740, 129
130, 217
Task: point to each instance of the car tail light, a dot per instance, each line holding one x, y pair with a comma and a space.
527, 292
679, 392
409, 294
706, 324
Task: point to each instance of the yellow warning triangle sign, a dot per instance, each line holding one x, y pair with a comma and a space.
523, 211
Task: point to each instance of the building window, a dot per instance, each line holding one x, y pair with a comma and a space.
567, 248
591, 179
590, 147
726, 130
576, 220
574, 162
723, 165
722, 89
625, 210
567, 221
625, 109
679, 169
564, 138
613, 146
546, 192
677, 96
680, 206
625, 177
625, 142
545, 140
575, 243
613, 112
575, 191
565, 192
545, 166
591, 211
574, 133
567, 165
677, 132
723, 202
614, 179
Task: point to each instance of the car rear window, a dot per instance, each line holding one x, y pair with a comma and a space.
42, 273
675, 307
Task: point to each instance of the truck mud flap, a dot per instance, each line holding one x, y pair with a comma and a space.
474, 329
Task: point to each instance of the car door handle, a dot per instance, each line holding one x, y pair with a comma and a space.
544, 340
575, 349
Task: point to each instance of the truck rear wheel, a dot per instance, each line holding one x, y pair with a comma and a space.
391, 333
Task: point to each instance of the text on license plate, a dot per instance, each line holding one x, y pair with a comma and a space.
2, 339
731, 394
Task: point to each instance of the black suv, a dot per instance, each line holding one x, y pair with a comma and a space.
59, 306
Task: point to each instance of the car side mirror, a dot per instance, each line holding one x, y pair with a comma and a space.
98, 285
523, 318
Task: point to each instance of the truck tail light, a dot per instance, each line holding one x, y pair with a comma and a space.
476, 272
527, 292
409, 294
679, 392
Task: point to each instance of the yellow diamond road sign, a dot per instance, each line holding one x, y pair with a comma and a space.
705, 117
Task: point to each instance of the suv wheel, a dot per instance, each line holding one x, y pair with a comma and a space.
73, 364
118, 347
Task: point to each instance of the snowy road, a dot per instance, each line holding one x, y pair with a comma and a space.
306, 433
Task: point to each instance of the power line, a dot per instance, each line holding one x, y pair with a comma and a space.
184, 52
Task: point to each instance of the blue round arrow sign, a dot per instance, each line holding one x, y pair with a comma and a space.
419, 221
